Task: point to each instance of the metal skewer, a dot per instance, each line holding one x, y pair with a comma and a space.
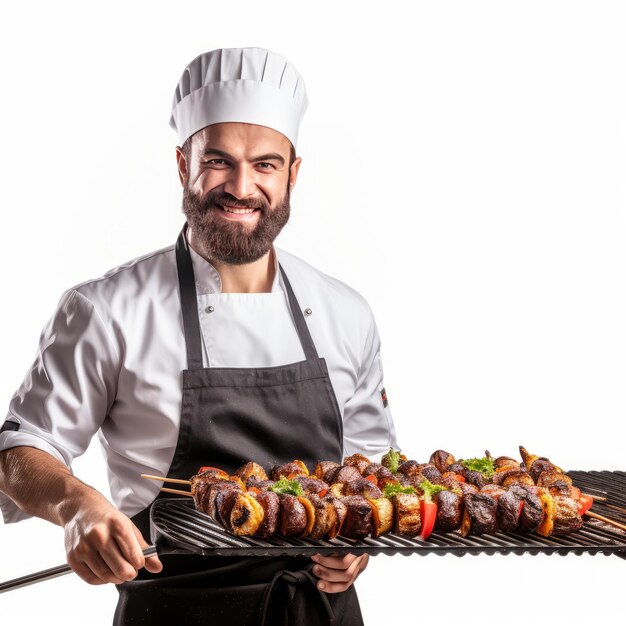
48, 574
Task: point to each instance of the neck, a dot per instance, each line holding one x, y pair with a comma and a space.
256, 277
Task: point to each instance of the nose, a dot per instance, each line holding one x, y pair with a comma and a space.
240, 183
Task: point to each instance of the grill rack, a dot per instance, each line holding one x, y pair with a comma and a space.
177, 528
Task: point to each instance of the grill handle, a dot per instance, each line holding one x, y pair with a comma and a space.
48, 574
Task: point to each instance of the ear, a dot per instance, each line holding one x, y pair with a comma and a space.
183, 171
293, 171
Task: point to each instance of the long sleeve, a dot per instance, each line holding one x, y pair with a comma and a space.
368, 424
68, 391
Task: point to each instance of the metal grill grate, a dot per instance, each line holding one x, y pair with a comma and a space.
176, 527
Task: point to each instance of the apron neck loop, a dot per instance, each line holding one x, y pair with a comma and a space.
189, 305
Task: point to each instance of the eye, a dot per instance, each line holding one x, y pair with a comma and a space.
265, 166
218, 162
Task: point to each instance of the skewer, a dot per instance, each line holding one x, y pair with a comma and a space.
167, 480
606, 520
179, 492
598, 498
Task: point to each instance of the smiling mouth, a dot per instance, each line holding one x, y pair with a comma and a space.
237, 211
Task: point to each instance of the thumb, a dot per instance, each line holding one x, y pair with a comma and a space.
152, 563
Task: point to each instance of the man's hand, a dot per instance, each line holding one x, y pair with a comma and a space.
104, 546
337, 573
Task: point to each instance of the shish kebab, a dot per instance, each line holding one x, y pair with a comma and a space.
361, 498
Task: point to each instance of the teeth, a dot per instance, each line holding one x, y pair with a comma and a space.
237, 211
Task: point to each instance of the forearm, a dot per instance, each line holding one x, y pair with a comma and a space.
42, 486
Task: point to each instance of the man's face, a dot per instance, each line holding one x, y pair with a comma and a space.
236, 189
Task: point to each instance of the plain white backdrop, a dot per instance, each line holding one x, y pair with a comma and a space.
464, 168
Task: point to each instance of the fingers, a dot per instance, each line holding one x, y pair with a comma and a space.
104, 546
152, 563
336, 574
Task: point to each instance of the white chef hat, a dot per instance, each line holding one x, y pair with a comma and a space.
250, 85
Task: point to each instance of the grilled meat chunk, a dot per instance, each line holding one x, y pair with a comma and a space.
475, 478
290, 470
495, 491
520, 477
358, 521
311, 484
345, 473
410, 468
382, 474
249, 470
362, 487
359, 461
263, 485
382, 516
325, 470
541, 465
556, 482
532, 511
449, 510
430, 472
441, 460
479, 515
293, 516
341, 510
407, 519
325, 517
505, 461
566, 517
510, 506
270, 502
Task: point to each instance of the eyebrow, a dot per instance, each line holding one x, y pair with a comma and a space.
270, 156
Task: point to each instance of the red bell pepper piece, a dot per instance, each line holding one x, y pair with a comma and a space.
584, 504
428, 513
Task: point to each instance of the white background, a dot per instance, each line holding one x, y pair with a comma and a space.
463, 168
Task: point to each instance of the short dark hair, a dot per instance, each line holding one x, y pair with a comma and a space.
186, 150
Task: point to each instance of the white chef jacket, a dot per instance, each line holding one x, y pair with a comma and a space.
110, 362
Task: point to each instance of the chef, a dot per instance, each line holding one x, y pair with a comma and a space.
219, 349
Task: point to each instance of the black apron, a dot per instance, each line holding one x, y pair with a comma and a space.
229, 416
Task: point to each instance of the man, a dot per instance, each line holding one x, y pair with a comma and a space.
246, 324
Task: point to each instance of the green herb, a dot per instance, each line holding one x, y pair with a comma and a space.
484, 465
430, 490
392, 489
391, 460
284, 486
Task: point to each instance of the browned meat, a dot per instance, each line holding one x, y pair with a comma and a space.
556, 482
566, 517
341, 510
208, 503
251, 469
362, 487
456, 468
495, 491
310, 484
467, 488
407, 519
431, 473
501, 475
345, 473
270, 502
358, 521
532, 511
410, 468
410, 481
290, 470
518, 478
441, 460
475, 478
221, 503
383, 475
293, 516
263, 485
479, 515
449, 510
325, 470
540, 465
325, 517
357, 460
510, 506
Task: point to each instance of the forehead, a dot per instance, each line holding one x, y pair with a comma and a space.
238, 138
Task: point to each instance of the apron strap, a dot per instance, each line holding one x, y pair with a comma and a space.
188, 302
301, 326
189, 305
293, 580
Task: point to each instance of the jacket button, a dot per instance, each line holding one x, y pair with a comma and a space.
209, 309
307, 312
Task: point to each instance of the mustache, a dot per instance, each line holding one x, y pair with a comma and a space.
215, 199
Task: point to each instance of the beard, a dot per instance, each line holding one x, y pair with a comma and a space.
229, 241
